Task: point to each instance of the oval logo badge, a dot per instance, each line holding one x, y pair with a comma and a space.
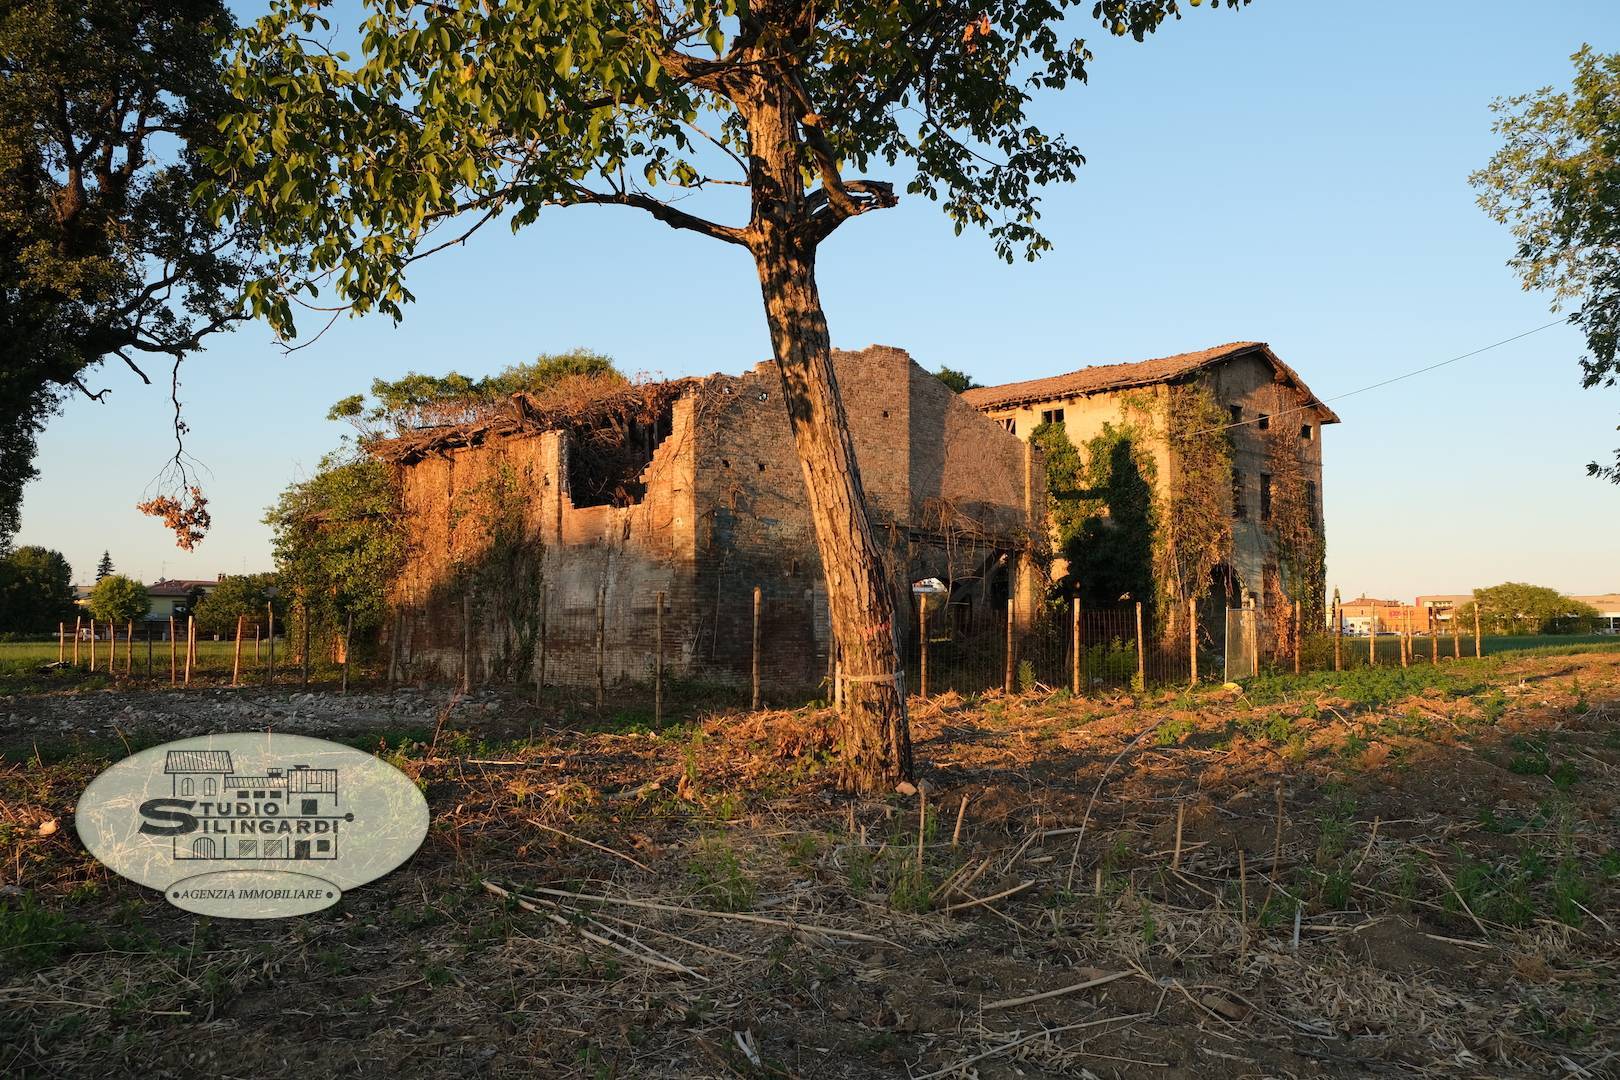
252, 825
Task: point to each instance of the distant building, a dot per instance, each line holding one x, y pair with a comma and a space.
1608, 609
172, 596
1267, 409
1434, 612
1365, 615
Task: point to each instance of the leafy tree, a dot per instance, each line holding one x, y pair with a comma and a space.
959, 381
105, 566
235, 595
103, 252
1556, 181
338, 544
415, 400
36, 590
118, 599
1516, 608
472, 110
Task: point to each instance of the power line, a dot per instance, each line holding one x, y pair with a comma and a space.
1374, 386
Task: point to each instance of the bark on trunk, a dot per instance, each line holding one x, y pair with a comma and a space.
874, 735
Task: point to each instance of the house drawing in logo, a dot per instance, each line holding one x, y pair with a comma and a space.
287, 814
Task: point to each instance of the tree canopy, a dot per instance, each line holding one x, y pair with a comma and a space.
118, 599
104, 566
1516, 608
237, 594
36, 590
337, 542
959, 381
1556, 182
103, 252
415, 400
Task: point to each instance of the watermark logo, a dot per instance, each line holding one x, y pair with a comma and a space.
252, 825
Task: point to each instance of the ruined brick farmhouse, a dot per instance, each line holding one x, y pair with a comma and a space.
1272, 419
541, 539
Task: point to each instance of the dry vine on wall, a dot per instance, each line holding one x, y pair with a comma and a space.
1295, 525
1194, 533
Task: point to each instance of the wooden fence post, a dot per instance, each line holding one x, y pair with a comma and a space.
393, 648
255, 642
601, 645
270, 632
658, 663
756, 649
1338, 633
1479, 648
1406, 650
78, 623
149, 651
174, 661
93, 644
1141, 653
922, 645
1372, 636
236, 659
191, 642
129, 648
466, 641
1192, 636
1456, 637
348, 641
1434, 640
1075, 644
61, 641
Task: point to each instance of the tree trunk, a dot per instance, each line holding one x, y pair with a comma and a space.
873, 730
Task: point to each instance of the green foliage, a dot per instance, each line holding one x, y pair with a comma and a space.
338, 540
1111, 554
719, 876
36, 590
1556, 182
958, 381
238, 594
1065, 483
118, 599
1514, 607
349, 164
102, 251
416, 400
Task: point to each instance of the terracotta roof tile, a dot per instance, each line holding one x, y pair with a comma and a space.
1107, 377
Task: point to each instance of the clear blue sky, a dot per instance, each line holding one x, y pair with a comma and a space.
1296, 173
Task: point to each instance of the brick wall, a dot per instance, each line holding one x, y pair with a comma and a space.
724, 511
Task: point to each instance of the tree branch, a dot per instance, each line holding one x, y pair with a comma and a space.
675, 219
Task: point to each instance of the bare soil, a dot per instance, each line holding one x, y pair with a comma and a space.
1406, 873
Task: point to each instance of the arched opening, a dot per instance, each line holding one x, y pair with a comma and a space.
186, 787
203, 847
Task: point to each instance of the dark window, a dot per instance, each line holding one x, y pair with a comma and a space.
310, 807
241, 794
1265, 496
1240, 509
1306, 433
323, 844
1237, 413
258, 794
1265, 422
1310, 502
1051, 416
1010, 424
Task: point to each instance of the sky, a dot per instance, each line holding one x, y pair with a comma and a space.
1296, 173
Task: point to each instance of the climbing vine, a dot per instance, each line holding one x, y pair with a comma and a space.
1295, 525
1195, 506
505, 577
1112, 512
